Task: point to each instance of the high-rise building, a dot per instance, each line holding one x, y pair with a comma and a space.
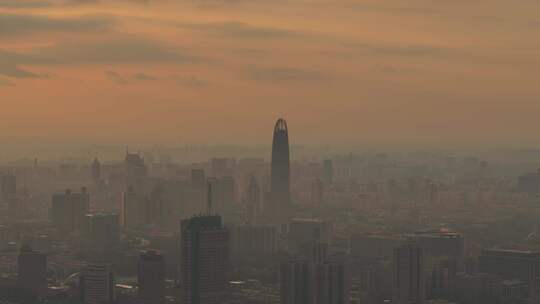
317, 193
9, 187
132, 209
253, 201
317, 280
302, 232
223, 196
96, 170
408, 277
32, 267
101, 233
280, 183
68, 209
296, 282
151, 277
510, 264
328, 172
135, 171
253, 241
204, 260
198, 179
97, 283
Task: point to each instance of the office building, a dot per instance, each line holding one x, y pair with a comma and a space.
32, 269
204, 260
97, 283
68, 209
280, 184
151, 277
408, 276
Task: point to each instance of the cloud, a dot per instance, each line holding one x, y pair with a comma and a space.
9, 69
115, 77
16, 4
143, 77
190, 81
240, 30
283, 74
402, 50
5, 82
115, 49
16, 24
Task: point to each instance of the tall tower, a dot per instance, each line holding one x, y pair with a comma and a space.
408, 280
280, 183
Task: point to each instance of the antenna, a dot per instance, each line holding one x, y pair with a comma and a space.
209, 198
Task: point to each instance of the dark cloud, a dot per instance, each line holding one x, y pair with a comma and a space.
240, 30
283, 74
16, 24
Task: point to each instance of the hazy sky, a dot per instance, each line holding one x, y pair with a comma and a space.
221, 71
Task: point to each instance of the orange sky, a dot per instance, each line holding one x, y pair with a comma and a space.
221, 71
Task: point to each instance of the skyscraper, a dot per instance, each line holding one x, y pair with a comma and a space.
151, 277
280, 172
96, 170
253, 196
204, 260
68, 209
408, 280
101, 233
32, 271
97, 283
8, 187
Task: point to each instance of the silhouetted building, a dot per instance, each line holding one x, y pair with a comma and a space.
321, 280
223, 196
204, 260
68, 210
513, 264
296, 282
97, 283
408, 277
135, 171
249, 241
151, 277
328, 172
280, 192
96, 170
9, 187
253, 201
32, 267
132, 209
302, 232
101, 233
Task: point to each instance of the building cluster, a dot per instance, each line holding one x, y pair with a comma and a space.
424, 228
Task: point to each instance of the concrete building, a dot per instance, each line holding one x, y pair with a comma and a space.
151, 277
97, 283
32, 271
408, 277
68, 209
204, 260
